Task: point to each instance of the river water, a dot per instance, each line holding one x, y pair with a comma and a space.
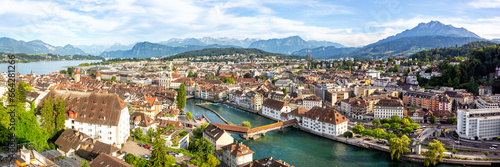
44, 67
294, 146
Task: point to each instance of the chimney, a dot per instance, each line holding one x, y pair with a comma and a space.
77, 133
114, 144
91, 146
80, 137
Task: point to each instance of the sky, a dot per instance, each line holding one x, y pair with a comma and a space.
349, 22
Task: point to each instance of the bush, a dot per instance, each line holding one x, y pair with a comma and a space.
486, 153
348, 134
189, 115
246, 124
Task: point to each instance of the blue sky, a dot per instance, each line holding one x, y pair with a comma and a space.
349, 22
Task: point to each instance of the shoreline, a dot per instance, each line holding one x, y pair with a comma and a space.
408, 157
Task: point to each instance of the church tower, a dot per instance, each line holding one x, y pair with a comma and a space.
77, 75
98, 76
166, 77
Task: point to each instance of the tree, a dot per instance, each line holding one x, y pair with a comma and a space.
47, 116
198, 132
409, 118
216, 97
138, 133
159, 155
407, 130
348, 134
434, 150
201, 146
486, 153
84, 163
284, 91
405, 121
21, 92
390, 135
190, 74
385, 120
181, 97
378, 133
395, 126
189, 115
246, 124
397, 147
433, 120
376, 122
451, 120
395, 119
60, 118
113, 78
358, 129
247, 75
386, 126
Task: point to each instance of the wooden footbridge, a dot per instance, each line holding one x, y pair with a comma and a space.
255, 133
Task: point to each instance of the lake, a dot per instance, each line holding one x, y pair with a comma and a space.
44, 67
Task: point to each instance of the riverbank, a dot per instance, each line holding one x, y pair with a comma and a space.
372, 146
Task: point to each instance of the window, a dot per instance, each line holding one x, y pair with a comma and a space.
72, 121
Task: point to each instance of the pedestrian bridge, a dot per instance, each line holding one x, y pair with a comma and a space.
255, 133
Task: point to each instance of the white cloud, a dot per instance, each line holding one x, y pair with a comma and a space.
485, 4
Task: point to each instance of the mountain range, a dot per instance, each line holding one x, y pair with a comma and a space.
148, 49
422, 37
9, 45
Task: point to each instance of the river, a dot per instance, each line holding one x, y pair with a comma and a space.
294, 146
44, 67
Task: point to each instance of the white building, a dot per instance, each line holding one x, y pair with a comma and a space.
481, 123
324, 121
100, 115
311, 102
142, 121
385, 108
486, 102
274, 108
218, 137
236, 154
373, 73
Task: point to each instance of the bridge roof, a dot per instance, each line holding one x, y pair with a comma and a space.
234, 128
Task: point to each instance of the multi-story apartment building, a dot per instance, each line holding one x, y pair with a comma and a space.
485, 102
274, 108
354, 107
236, 154
480, 123
324, 121
425, 100
385, 108
310, 102
100, 115
256, 99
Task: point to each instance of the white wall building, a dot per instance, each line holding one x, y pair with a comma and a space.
385, 108
274, 108
483, 123
100, 115
236, 154
324, 121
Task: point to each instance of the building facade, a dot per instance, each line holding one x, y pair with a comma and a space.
480, 123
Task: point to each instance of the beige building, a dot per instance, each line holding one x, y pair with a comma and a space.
218, 137
236, 154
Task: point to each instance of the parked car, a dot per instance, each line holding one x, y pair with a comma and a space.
476, 145
179, 155
496, 153
147, 146
146, 157
493, 148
